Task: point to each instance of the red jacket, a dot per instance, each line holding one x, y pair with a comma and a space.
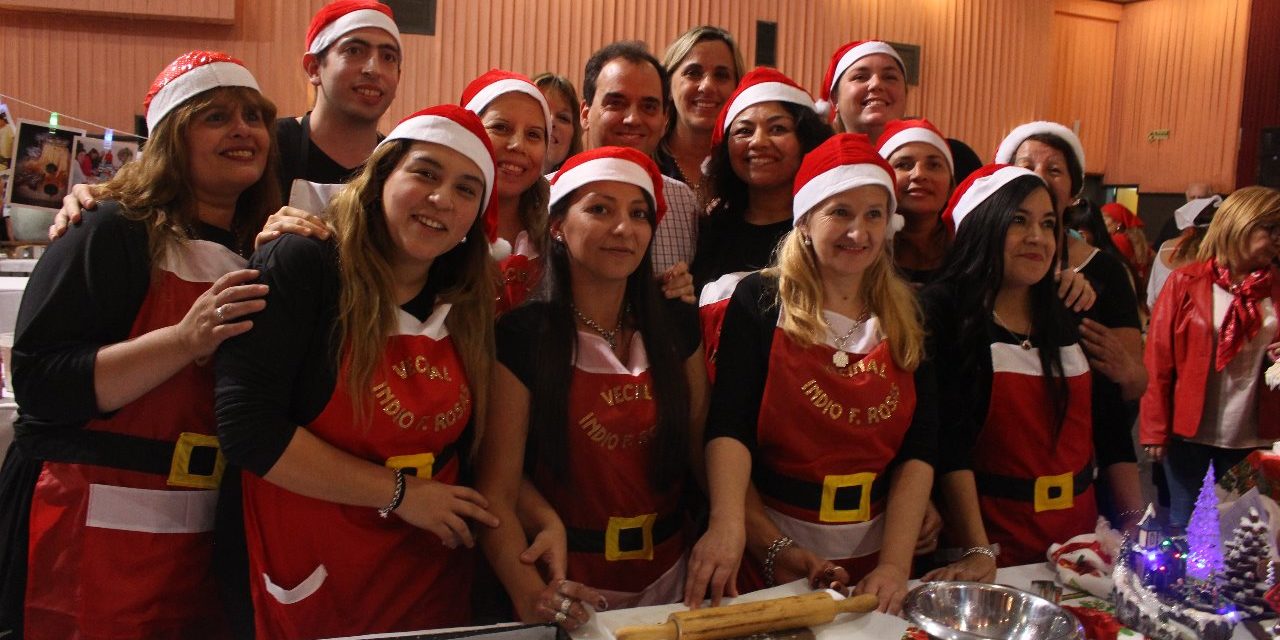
1180, 350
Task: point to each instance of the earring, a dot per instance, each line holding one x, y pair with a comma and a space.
807, 242
559, 237
463, 240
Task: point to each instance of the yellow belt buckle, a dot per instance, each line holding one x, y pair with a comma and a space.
833, 484
195, 447
421, 464
618, 527
1055, 492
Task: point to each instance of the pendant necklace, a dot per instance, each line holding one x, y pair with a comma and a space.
610, 337
841, 357
1025, 342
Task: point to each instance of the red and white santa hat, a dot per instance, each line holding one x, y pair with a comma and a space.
761, 84
456, 128
845, 57
339, 18
496, 82
845, 161
898, 133
616, 164
190, 74
1009, 146
1122, 214
979, 186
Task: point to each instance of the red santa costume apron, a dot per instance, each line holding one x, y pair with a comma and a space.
1033, 490
825, 438
320, 569
518, 274
626, 539
124, 551
712, 303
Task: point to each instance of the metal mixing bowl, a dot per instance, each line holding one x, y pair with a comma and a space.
977, 611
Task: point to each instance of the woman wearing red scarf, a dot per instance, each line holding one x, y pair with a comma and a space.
1208, 346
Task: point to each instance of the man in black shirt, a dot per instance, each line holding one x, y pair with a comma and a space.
353, 60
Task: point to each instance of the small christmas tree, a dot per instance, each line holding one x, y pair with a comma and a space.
1243, 578
1205, 558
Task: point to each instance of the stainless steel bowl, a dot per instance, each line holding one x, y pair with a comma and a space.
977, 611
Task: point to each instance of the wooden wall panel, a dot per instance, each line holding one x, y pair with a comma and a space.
986, 66
1179, 66
209, 11
1083, 50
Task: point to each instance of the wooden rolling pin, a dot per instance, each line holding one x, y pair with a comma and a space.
738, 620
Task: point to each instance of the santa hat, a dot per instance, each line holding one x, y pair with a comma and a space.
846, 57
496, 82
845, 161
615, 164
898, 133
190, 74
458, 129
762, 84
1123, 215
1186, 215
335, 20
979, 186
1009, 146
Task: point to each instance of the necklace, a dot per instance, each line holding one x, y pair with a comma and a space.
841, 357
610, 337
1025, 341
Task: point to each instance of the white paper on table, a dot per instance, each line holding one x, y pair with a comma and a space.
845, 627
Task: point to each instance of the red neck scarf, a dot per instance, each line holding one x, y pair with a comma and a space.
1244, 318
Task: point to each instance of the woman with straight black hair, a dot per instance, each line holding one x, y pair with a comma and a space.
603, 405
1017, 445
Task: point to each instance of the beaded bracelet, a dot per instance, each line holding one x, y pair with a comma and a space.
776, 547
980, 550
396, 498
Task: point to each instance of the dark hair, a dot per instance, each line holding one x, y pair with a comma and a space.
1085, 215
1073, 163
731, 192
549, 421
973, 272
633, 51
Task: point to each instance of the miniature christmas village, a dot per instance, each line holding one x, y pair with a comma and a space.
1195, 586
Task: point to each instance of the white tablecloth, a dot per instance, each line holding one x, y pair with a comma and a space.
19, 266
871, 626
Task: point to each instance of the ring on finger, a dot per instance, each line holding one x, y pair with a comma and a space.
560, 617
565, 604
218, 312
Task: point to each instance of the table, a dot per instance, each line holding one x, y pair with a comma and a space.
870, 626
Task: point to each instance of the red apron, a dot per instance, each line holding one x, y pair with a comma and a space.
712, 304
321, 569
518, 275
116, 553
625, 538
825, 438
1034, 491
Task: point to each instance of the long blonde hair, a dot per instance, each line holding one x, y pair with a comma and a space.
885, 294
1238, 216
367, 304
156, 188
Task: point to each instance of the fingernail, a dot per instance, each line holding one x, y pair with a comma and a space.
602, 604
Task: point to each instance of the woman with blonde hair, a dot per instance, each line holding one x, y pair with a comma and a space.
823, 349
357, 397
1211, 336
566, 119
112, 371
705, 66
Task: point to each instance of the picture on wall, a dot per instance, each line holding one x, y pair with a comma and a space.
95, 163
41, 165
8, 135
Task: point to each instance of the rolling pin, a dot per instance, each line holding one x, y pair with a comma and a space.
738, 620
